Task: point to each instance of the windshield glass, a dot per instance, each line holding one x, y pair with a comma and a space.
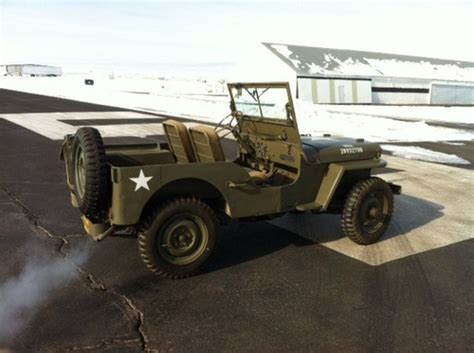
261, 102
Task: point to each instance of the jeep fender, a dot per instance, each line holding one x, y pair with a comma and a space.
187, 187
332, 179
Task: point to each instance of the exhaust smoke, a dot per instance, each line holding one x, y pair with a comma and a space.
22, 295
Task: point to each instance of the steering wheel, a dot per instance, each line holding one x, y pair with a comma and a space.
231, 125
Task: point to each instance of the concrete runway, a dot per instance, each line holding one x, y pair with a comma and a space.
290, 285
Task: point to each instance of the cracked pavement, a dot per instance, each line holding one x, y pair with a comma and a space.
10, 202
269, 290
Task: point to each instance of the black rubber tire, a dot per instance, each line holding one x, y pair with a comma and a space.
351, 218
150, 238
94, 199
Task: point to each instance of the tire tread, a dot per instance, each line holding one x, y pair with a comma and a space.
349, 216
144, 237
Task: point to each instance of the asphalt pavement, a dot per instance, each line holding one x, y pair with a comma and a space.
290, 285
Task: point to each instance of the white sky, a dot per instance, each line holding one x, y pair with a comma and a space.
137, 34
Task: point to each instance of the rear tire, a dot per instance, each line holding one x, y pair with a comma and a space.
179, 238
367, 211
91, 174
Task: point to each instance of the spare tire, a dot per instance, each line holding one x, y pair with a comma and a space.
91, 176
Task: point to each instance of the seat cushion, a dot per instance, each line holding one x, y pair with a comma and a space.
207, 144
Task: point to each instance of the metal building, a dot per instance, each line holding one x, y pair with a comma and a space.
33, 70
335, 76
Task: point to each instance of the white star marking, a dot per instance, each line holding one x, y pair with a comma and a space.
141, 181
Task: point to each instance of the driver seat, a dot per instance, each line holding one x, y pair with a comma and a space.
206, 144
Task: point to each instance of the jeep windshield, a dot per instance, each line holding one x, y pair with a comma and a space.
259, 101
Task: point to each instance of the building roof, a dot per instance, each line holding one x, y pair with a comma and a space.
34, 65
315, 61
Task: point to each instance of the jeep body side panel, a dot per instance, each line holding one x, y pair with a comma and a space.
242, 197
128, 203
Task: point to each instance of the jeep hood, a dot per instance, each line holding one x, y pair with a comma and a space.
333, 149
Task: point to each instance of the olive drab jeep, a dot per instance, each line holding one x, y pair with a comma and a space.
174, 195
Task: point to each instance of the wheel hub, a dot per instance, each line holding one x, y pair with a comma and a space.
373, 212
184, 239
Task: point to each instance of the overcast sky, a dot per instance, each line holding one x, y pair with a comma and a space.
141, 33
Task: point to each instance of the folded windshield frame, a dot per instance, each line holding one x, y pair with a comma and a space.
263, 101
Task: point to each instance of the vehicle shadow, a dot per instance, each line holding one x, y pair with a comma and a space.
246, 241
410, 213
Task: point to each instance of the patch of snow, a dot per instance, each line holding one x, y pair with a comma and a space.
283, 50
391, 68
313, 68
194, 98
317, 120
422, 69
423, 154
454, 143
457, 115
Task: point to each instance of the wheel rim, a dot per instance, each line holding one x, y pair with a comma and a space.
184, 239
80, 172
373, 212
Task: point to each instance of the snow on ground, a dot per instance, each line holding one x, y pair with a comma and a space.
454, 143
185, 97
207, 100
456, 115
423, 154
317, 119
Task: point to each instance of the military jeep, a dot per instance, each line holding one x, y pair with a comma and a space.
173, 196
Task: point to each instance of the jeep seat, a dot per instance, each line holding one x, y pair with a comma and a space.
207, 144
208, 148
179, 142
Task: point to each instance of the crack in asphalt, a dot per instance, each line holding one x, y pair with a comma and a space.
120, 342
92, 282
99, 286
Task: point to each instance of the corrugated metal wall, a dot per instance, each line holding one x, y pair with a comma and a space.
335, 91
39, 70
14, 69
452, 94
384, 90
33, 70
400, 91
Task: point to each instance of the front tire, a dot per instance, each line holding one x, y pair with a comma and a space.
367, 211
179, 238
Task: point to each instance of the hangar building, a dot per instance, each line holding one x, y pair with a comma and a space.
32, 70
335, 76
